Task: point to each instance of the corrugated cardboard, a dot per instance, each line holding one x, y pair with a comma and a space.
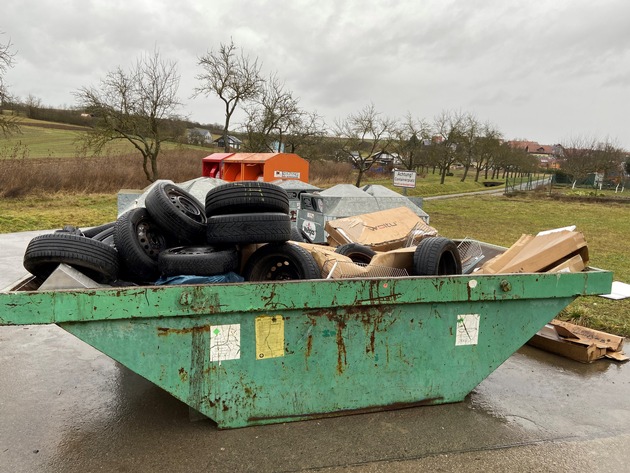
382, 231
578, 343
540, 253
401, 258
574, 264
383, 264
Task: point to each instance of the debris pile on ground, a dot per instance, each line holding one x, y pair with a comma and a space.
578, 343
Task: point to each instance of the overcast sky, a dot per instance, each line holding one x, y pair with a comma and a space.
543, 70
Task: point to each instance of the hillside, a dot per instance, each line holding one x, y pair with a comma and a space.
44, 139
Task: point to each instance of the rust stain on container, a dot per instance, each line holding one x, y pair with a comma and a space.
309, 345
183, 375
341, 347
363, 410
164, 331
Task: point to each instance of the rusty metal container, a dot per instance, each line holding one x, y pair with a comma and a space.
257, 353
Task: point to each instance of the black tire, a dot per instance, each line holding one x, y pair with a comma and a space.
198, 261
139, 241
278, 262
249, 228
436, 256
246, 197
93, 231
93, 258
296, 235
106, 235
107, 239
356, 252
178, 213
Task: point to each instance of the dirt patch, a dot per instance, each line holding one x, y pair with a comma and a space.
56, 126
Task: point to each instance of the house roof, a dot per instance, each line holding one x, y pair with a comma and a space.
231, 138
532, 147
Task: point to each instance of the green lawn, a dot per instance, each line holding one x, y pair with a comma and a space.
429, 184
40, 139
502, 220
55, 211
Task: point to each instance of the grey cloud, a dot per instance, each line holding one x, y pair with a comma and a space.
505, 60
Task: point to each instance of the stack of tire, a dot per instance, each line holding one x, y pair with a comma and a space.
252, 212
174, 235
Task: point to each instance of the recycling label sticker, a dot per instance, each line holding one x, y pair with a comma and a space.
467, 332
225, 342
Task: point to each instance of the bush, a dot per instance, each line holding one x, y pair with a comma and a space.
21, 176
330, 172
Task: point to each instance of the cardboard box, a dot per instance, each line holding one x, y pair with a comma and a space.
578, 343
400, 258
382, 231
394, 263
553, 250
574, 264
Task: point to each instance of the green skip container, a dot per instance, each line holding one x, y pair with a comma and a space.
258, 353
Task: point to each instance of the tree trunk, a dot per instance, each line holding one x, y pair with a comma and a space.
465, 172
443, 175
359, 177
155, 175
226, 143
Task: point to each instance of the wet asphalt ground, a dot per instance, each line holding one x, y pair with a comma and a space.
65, 407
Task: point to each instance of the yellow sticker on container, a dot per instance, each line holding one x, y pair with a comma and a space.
269, 336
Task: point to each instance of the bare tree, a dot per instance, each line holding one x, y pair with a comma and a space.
409, 144
448, 134
469, 142
271, 116
308, 135
488, 147
8, 124
361, 135
609, 157
578, 159
233, 77
32, 103
137, 106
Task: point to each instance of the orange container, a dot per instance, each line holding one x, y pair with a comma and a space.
267, 167
212, 166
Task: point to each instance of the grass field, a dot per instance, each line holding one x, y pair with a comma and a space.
40, 139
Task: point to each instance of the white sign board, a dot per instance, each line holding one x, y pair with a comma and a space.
286, 174
404, 178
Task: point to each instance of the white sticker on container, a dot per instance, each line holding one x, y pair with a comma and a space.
225, 342
467, 329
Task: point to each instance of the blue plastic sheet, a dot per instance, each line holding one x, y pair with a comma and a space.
219, 278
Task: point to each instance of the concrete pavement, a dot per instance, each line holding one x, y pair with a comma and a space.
65, 407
